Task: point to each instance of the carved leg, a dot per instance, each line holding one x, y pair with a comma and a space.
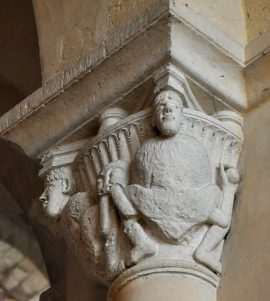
88, 235
204, 253
114, 264
143, 245
121, 202
113, 261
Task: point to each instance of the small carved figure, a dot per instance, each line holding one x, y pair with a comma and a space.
78, 220
220, 220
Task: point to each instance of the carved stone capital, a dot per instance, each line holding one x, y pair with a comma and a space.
153, 190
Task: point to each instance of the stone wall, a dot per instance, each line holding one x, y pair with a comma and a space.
247, 252
22, 272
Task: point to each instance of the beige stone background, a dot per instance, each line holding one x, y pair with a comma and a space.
247, 253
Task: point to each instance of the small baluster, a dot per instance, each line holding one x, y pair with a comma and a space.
112, 145
96, 159
122, 146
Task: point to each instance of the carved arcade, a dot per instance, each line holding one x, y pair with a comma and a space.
153, 186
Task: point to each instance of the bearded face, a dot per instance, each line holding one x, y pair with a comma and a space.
168, 115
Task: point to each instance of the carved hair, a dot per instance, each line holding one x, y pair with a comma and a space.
171, 94
63, 174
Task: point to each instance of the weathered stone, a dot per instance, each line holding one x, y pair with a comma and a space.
145, 188
14, 278
34, 283
144, 204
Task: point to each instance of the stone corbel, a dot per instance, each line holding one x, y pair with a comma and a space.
151, 196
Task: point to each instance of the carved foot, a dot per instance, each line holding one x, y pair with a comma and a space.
208, 260
142, 245
114, 264
138, 252
115, 268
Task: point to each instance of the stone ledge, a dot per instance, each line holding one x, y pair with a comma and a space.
64, 80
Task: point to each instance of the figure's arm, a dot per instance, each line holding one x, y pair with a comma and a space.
222, 215
115, 179
121, 201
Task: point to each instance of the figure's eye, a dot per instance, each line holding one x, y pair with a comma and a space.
50, 187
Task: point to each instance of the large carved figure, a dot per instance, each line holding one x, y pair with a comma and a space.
172, 181
171, 188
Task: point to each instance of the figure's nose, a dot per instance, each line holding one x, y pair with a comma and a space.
168, 109
43, 199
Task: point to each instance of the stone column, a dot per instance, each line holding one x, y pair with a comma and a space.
164, 283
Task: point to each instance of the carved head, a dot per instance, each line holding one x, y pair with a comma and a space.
59, 186
168, 112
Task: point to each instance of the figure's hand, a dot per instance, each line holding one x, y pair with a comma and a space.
115, 173
107, 188
107, 180
102, 187
100, 183
230, 178
103, 182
